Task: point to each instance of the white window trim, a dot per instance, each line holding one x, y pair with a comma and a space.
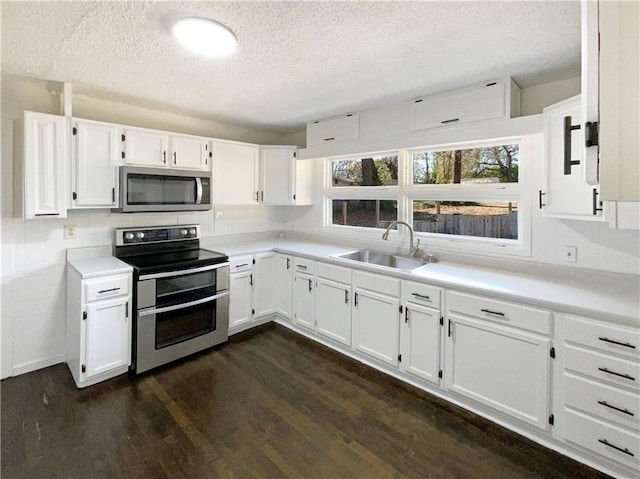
405, 192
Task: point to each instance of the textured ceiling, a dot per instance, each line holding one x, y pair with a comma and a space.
297, 61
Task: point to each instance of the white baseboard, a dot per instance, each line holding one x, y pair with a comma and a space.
30, 366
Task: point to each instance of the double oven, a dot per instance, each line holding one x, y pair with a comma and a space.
181, 293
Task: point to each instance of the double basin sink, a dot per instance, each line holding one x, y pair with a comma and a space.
400, 263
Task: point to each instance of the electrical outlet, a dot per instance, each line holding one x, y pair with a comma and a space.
219, 214
569, 254
70, 232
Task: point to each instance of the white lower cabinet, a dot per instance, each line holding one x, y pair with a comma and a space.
303, 300
420, 328
251, 290
333, 302
490, 359
376, 314
98, 326
597, 389
283, 279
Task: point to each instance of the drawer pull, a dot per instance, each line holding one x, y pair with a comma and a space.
242, 265
421, 296
301, 266
488, 311
625, 450
624, 411
622, 375
108, 290
613, 341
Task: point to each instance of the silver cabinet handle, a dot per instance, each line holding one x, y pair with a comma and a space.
488, 311
421, 296
108, 290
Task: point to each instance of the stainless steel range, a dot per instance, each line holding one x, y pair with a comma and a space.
181, 293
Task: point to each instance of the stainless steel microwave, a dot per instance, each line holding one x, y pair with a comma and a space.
161, 189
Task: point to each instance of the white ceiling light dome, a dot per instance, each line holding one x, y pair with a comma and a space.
205, 37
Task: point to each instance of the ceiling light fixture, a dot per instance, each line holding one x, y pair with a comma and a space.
205, 37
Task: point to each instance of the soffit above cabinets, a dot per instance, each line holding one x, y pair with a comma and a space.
297, 61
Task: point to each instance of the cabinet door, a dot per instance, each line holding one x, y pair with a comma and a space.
283, 266
277, 170
420, 342
499, 367
340, 128
235, 171
96, 159
482, 102
145, 148
333, 310
189, 152
46, 143
303, 299
240, 289
107, 335
566, 192
376, 325
264, 292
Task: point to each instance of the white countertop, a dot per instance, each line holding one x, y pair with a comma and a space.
99, 266
599, 294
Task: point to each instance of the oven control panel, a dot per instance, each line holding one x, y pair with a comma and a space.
156, 234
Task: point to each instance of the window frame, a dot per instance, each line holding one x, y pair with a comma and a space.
406, 192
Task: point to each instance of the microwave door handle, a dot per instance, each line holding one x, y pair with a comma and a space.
198, 190
150, 311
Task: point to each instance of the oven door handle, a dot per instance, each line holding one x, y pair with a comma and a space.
169, 274
149, 312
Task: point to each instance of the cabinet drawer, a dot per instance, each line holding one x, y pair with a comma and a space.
509, 314
378, 283
106, 287
240, 263
608, 337
607, 440
333, 272
601, 366
606, 402
422, 294
303, 265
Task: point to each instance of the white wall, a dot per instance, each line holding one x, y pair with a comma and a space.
33, 296
535, 98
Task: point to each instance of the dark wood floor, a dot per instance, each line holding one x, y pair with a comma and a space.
267, 404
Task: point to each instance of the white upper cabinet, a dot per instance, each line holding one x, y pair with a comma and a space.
619, 77
157, 148
94, 173
46, 165
235, 173
565, 193
145, 147
341, 128
277, 175
189, 152
486, 101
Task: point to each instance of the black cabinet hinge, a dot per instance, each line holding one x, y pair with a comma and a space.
123, 155
440, 374
551, 419
441, 320
294, 197
210, 154
400, 309
123, 138
84, 368
591, 134
84, 315
253, 311
399, 358
295, 154
254, 261
74, 195
552, 353
75, 130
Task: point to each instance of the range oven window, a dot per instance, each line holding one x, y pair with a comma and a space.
185, 288
145, 189
178, 326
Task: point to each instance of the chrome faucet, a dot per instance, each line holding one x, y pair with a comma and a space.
412, 249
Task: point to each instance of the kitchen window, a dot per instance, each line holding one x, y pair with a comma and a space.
458, 197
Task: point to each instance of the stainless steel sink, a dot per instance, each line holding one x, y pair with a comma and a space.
383, 259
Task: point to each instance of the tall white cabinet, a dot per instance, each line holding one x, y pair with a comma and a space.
46, 165
98, 319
